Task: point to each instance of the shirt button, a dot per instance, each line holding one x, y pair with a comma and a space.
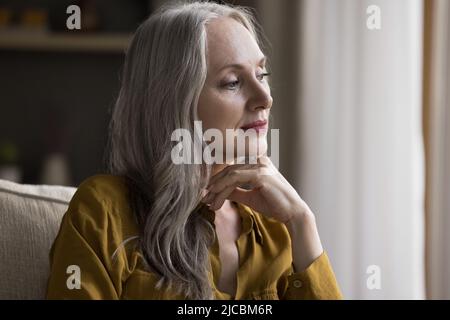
298, 284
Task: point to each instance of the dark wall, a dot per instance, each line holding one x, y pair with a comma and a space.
60, 100
57, 101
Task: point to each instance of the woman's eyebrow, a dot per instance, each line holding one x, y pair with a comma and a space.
241, 66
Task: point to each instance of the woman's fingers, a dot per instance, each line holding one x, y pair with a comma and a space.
228, 184
236, 178
226, 171
262, 162
242, 196
224, 183
220, 198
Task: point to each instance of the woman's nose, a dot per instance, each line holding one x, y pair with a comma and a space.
260, 97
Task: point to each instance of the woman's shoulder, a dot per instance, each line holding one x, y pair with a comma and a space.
103, 188
96, 226
104, 185
100, 202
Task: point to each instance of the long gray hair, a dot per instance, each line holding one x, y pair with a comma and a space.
164, 72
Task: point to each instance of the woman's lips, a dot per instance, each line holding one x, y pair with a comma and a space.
258, 126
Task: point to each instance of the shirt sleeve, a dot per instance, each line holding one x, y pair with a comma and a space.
78, 259
317, 282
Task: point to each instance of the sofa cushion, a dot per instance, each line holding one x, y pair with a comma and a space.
30, 216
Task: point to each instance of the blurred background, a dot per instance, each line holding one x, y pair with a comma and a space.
363, 113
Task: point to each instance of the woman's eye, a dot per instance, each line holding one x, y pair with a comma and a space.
262, 75
232, 85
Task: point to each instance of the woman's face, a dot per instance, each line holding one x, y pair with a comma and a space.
236, 92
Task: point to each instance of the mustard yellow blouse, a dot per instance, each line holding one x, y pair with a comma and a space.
99, 220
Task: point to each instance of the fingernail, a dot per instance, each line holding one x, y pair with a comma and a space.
206, 198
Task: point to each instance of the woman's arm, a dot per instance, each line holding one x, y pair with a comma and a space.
272, 195
80, 259
306, 245
313, 276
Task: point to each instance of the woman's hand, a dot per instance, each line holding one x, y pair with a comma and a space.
273, 196
270, 194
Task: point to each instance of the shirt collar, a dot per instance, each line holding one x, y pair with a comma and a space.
249, 221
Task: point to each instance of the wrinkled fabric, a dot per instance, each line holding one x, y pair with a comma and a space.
98, 236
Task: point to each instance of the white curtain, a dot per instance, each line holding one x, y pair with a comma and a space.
348, 105
439, 142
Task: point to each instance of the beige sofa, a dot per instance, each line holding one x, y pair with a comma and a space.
30, 216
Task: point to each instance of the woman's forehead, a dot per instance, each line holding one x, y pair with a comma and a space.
229, 42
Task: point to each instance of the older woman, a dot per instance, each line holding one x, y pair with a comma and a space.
155, 229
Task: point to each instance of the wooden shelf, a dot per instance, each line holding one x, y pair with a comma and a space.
65, 42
